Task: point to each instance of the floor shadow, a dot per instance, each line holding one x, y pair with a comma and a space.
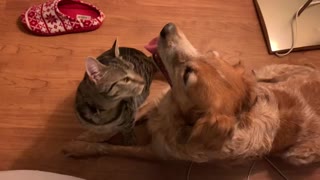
261, 169
21, 27
289, 171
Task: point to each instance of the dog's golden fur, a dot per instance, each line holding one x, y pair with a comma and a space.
219, 111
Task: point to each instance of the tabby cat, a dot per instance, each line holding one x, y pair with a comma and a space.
114, 86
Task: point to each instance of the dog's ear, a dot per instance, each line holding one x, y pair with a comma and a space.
224, 125
249, 76
239, 68
212, 53
212, 130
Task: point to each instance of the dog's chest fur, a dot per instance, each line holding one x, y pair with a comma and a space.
168, 129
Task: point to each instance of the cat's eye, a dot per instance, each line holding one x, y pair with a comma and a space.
126, 80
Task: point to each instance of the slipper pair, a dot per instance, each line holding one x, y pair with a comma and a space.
57, 17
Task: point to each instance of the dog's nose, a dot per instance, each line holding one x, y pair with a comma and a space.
168, 29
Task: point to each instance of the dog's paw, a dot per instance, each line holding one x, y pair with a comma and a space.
79, 149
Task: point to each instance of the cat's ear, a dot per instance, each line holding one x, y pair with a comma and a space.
94, 69
115, 48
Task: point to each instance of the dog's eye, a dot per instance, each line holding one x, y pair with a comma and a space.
186, 74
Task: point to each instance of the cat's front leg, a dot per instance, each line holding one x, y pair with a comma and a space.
95, 136
79, 149
89, 136
129, 136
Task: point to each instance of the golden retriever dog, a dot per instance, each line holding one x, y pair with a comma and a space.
217, 111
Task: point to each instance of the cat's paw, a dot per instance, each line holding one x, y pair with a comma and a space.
78, 149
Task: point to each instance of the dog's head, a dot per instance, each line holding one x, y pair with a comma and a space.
202, 83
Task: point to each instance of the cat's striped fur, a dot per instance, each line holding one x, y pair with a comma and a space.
114, 86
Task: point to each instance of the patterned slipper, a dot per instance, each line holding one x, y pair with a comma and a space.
57, 17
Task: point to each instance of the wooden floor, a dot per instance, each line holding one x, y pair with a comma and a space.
39, 75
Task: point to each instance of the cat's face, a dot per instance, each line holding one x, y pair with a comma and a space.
116, 80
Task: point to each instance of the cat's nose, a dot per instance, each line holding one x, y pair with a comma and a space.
168, 29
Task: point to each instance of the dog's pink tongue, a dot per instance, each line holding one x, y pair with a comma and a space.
152, 46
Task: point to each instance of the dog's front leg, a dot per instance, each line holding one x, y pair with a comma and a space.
85, 149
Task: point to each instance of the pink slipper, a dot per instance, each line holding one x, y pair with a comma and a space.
57, 17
